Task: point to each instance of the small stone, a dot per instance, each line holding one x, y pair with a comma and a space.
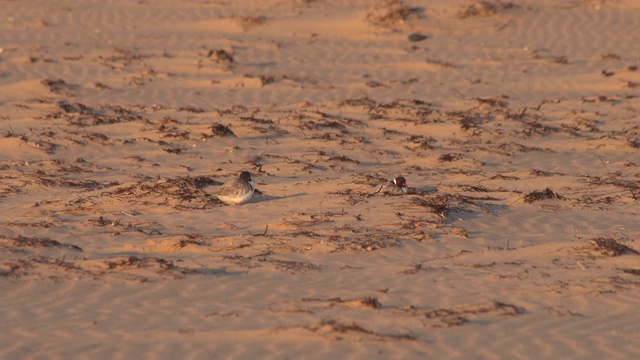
415, 37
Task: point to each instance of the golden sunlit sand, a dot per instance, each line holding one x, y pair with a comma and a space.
515, 124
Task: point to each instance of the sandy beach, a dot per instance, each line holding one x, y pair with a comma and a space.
515, 124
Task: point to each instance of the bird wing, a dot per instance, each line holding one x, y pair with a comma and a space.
232, 188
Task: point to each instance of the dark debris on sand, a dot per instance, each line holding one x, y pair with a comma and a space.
541, 195
612, 247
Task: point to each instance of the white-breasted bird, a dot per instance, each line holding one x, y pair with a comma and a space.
237, 191
397, 186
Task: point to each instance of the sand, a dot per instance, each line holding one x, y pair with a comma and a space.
515, 123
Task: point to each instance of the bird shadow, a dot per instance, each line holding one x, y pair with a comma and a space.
264, 197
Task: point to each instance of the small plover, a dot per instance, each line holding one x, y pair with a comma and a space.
237, 191
397, 186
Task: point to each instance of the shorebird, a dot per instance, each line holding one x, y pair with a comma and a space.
237, 191
397, 186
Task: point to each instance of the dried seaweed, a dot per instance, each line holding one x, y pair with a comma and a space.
612, 247
133, 262
448, 157
331, 326
191, 109
541, 195
485, 8
366, 302
633, 186
440, 205
291, 266
57, 86
248, 22
389, 13
424, 143
632, 271
22, 241
343, 158
494, 102
222, 131
221, 56
457, 316
255, 120
181, 188
176, 150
